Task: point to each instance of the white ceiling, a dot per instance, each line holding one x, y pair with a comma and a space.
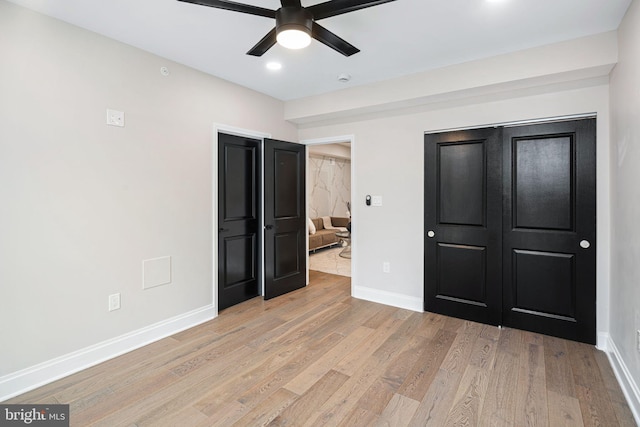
398, 38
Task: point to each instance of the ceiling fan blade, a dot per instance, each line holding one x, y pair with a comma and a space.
338, 7
334, 42
290, 3
236, 7
264, 45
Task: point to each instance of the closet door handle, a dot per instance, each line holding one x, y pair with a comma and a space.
431, 234
585, 244
268, 227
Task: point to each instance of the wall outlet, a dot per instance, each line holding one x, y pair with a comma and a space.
114, 302
386, 267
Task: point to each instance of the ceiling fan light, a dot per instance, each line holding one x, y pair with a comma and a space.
293, 38
293, 27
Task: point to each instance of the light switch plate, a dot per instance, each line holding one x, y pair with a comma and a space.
115, 118
376, 200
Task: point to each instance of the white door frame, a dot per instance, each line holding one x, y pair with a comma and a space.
354, 206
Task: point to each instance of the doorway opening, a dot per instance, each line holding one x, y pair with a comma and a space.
329, 205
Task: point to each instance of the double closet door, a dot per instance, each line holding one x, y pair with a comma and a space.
245, 220
510, 222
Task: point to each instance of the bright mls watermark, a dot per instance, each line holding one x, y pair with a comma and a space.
34, 415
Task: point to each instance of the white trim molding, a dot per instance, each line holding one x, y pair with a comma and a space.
602, 341
36, 376
329, 140
387, 298
626, 381
232, 130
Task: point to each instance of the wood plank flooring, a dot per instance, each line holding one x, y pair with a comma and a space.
318, 357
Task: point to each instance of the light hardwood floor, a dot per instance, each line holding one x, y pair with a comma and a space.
318, 357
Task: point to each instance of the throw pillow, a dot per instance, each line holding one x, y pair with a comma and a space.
312, 227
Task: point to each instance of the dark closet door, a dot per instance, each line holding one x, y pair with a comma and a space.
239, 238
550, 229
463, 222
284, 218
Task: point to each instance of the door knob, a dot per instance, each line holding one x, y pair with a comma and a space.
268, 227
431, 234
584, 244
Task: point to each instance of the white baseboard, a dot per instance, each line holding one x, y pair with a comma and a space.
388, 298
603, 341
626, 381
36, 376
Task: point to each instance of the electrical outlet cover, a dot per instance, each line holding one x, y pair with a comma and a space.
114, 302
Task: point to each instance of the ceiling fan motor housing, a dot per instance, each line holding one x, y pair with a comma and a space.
294, 18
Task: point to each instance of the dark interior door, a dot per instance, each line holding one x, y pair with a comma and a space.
284, 218
520, 252
550, 229
463, 219
239, 236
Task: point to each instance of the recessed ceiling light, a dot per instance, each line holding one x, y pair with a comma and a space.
275, 66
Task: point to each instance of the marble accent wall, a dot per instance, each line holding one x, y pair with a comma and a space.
328, 186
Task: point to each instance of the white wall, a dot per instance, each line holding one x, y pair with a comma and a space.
559, 63
389, 161
388, 122
83, 203
625, 136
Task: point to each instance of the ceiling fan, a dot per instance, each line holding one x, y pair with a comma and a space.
296, 25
